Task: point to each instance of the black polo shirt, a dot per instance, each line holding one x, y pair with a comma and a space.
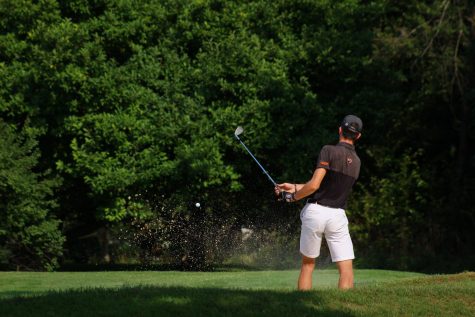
343, 168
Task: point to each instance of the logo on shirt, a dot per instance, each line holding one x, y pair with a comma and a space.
349, 160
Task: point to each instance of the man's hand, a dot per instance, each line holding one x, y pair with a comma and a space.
285, 192
287, 187
287, 197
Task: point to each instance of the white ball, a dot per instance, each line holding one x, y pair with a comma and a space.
197, 204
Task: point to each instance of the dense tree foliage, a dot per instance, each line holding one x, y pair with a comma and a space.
138, 101
28, 232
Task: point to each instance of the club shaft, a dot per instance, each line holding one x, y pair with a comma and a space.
262, 168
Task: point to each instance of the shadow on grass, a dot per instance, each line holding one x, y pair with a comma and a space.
170, 301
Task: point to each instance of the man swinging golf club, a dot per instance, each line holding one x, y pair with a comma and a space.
338, 167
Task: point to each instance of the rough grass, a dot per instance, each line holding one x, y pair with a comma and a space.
266, 293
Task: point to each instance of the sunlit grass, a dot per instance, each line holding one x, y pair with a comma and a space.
33, 282
264, 293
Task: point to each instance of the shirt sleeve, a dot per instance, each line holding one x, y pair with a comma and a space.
324, 158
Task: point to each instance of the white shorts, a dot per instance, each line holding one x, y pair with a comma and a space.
319, 220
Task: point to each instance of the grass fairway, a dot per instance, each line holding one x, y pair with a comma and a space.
261, 293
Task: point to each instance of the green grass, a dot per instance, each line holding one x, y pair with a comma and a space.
262, 293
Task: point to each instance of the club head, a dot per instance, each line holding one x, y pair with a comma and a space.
238, 131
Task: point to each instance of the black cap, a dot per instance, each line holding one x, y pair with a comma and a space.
352, 123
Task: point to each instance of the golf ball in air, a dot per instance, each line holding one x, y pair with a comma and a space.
197, 204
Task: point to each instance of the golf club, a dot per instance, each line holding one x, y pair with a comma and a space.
240, 130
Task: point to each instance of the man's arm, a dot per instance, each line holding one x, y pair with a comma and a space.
288, 187
312, 185
303, 190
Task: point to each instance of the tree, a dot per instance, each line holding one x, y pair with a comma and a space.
28, 231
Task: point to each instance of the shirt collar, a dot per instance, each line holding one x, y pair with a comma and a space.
347, 145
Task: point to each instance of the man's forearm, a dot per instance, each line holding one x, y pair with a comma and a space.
303, 190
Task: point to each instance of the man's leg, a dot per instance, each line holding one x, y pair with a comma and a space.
346, 274
305, 278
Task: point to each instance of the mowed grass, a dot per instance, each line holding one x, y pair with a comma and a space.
247, 293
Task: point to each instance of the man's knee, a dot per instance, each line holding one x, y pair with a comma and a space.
308, 263
345, 267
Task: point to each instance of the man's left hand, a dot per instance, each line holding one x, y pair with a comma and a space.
287, 197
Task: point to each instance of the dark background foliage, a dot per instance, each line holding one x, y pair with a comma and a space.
118, 116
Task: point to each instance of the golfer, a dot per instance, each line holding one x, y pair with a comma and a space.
338, 167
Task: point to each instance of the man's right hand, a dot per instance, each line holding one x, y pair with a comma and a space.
285, 191
284, 187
